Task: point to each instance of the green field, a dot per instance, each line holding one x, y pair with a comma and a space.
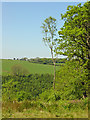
31, 67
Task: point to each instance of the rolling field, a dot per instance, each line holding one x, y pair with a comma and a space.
31, 67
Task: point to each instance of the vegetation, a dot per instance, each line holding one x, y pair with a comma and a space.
30, 67
33, 96
74, 39
49, 30
18, 70
72, 81
21, 88
47, 61
42, 109
75, 44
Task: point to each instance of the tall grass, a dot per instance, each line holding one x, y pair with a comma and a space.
41, 109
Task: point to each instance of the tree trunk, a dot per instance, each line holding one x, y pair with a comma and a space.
54, 68
54, 77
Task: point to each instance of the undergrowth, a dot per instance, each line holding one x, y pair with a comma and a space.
42, 109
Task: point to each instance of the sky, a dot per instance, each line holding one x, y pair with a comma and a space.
21, 32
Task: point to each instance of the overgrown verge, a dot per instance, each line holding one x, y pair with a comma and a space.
37, 109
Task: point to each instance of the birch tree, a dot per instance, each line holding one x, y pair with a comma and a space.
49, 30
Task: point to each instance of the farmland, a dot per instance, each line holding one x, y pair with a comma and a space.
31, 67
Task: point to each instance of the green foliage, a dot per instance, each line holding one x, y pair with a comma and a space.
8, 89
45, 95
50, 95
75, 34
75, 104
49, 30
72, 81
25, 87
48, 61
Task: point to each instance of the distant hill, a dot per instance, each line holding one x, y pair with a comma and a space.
31, 67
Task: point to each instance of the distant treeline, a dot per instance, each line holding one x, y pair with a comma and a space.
47, 60
43, 60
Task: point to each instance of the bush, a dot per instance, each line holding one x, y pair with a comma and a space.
18, 70
50, 95
72, 81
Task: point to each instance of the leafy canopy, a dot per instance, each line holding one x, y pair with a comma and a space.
49, 30
74, 39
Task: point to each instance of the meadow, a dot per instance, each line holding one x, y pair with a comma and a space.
31, 67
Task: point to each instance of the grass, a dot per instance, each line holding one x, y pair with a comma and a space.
31, 67
42, 109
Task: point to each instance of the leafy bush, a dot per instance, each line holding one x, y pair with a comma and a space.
72, 81
50, 95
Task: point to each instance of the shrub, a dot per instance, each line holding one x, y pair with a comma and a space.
50, 95
72, 81
18, 70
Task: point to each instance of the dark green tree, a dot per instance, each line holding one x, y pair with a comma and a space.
25, 58
74, 39
49, 30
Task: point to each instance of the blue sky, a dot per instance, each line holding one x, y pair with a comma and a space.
21, 32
